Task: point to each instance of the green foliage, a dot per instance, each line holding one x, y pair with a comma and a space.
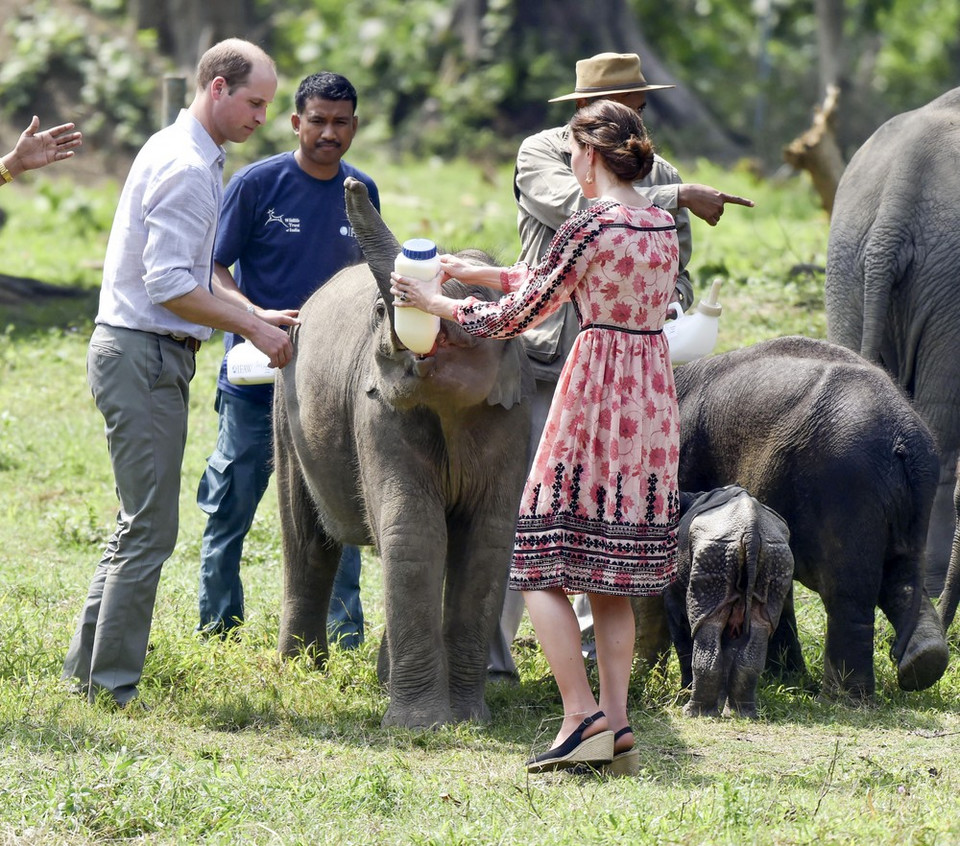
919, 51
433, 82
110, 78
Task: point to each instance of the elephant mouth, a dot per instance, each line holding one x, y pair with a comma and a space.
423, 365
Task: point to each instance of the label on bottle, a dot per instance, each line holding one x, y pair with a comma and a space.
246, 365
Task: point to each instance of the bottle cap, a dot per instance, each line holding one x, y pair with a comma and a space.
710, 306
419, 249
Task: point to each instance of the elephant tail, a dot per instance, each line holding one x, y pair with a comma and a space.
749, 554
888, 253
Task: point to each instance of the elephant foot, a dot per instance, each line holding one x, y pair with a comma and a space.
416, 718
476, 713
924, 662
746, 710
698, 709
850, 695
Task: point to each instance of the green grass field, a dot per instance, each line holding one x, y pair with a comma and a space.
241, 747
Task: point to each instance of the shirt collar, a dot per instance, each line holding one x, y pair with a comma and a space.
212, 152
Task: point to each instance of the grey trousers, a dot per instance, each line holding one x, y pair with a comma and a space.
140, 382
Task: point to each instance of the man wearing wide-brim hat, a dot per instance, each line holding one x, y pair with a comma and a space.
547, 193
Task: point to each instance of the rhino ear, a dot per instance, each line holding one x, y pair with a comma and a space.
515, 382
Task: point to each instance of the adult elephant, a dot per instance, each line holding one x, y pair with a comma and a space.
892, 286
830, 443
422, 456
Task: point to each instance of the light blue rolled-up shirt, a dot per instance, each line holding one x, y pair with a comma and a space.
161, 242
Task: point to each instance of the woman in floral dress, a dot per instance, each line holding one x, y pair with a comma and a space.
600, 507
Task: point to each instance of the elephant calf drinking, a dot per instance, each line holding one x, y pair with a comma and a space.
423, 456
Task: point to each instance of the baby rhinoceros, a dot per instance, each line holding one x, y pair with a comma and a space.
734, 572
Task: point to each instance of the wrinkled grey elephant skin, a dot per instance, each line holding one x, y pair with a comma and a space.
423, 457
829, 442
891, 286
734, 572
951, 588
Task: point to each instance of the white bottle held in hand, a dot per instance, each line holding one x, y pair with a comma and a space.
246, 365
416, 329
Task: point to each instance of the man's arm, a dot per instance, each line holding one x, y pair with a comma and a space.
225, 288
200, 306
544, 184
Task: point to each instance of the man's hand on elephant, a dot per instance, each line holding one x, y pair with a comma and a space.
707, 203
273, 342
279, 317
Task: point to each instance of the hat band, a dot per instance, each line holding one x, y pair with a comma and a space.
617, 87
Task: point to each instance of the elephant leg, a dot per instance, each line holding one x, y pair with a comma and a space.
412, 540
748, 663
310, 558
943, 518
477, 570
652, 647
949, 598
675, 599
848, 647
784, 654
920, 647
708, 670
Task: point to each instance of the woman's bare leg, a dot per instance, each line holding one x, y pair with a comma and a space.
559, 634
614, 628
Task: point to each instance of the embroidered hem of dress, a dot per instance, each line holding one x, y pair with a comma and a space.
619, 565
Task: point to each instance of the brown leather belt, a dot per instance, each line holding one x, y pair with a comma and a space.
185, 341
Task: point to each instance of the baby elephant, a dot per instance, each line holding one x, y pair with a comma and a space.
734, 571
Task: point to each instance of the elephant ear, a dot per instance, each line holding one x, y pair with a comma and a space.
515, 383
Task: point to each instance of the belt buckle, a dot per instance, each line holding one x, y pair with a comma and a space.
187, 342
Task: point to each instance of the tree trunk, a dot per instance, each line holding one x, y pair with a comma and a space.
817, 152
831, 44
572, 30
186, 28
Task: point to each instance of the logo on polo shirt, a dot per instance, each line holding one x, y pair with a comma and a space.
291, 224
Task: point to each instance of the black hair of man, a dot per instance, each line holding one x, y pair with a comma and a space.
324, 86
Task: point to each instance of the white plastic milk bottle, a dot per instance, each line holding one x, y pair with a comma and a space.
694, 335
416, 329
246, 365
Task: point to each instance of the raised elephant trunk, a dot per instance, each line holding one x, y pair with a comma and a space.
380, 247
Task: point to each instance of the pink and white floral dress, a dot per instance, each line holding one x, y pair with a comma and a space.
601, 505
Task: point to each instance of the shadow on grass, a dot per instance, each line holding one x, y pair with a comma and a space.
31, 307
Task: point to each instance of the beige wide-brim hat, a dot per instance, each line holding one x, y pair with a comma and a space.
609, 73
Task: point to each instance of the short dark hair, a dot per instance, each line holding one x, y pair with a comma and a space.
617, 134
324, 86
232, 59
